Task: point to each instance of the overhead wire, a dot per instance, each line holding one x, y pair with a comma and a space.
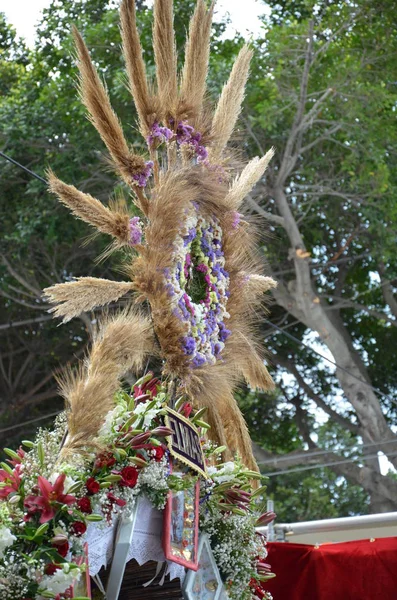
15, 162
18, 425
321, 452
324, 465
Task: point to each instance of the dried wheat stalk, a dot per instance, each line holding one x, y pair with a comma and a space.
195, 69
165, 56
122, 343
96, 99
229, 105
84, 294
146, 105
250, 175
114, 222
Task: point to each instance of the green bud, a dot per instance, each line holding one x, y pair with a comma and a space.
199, 414
237, 511
265, 577
201, 423
12, 454
14, 499
253, 474
40, 453
28, 443
136, 431
75, 487
261, 490
7, 468
179, 402
154, 442
151, 404
139, 462
219, 450
40, 530
94, 518
129, 422
113, 478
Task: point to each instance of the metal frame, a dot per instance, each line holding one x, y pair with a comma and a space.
331, 525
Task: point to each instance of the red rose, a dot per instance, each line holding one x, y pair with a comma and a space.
62, 549
129, 477
78, 528
114, 500
84, 505
158, 453
92, 486
51, 568
105, 459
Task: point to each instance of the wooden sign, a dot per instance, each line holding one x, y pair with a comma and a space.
184, 444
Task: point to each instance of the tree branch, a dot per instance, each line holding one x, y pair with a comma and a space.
342, 421
267, 215
19, 278
346, 303
289, 157
387, 290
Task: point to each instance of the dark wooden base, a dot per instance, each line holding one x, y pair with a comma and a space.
134, 578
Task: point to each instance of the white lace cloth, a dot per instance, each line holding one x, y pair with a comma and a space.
145, 545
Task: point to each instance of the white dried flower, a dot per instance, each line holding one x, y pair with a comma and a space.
6, 539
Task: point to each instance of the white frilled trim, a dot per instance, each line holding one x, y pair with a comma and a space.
146, 541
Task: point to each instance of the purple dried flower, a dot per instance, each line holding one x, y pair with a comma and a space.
184, 133
198, 360
189, 345
236, 219
158, 135
190, 236
135, 231
142, 177
202, 153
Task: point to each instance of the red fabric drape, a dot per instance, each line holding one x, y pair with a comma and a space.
362, 570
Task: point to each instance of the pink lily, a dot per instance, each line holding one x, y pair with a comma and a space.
50, 494
162, 431
12, 481
237, 496
265, 519
263, 568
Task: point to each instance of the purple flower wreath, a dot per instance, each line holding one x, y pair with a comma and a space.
198, 285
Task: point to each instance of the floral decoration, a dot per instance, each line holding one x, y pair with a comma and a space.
230, 517
184, 135
141, 179
47, 504
198, 286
